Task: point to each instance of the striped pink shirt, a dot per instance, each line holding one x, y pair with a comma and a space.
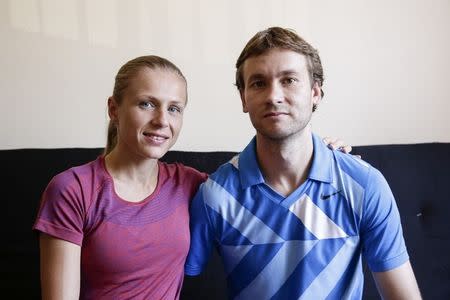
128, 250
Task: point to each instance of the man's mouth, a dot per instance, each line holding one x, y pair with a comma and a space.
274, 114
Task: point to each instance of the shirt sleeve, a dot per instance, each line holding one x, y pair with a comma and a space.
62, 209
381, 231
202, 236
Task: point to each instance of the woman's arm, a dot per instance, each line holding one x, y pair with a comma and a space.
60, 268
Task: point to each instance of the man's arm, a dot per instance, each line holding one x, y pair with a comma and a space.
202, 235
397, 284
60, 268
383, 244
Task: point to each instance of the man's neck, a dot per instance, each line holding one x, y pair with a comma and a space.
285, 164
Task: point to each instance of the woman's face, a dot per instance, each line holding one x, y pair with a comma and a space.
150, 116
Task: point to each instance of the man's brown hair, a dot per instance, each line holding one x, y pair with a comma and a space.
277, 37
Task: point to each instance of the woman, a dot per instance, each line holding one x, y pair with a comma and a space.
118, 227
124, 216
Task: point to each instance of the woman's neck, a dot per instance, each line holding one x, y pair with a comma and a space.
134, 178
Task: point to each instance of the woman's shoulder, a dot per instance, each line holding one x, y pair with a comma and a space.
179, 170
78, 176
66, 201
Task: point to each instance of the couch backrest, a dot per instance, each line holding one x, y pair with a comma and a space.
419, 176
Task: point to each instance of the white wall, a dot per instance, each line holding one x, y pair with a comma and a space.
386, 64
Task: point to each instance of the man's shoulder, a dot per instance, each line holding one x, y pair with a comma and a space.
227, 170
360, 171
226, 177
353, 167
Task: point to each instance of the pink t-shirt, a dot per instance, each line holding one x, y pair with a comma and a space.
128, 250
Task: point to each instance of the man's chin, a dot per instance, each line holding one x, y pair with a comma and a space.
279, 135
274, 135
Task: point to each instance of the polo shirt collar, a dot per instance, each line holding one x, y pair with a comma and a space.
249, 171
321, 167
322, 163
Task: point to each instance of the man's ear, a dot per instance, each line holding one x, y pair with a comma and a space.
112, 109
316, 94
244, 103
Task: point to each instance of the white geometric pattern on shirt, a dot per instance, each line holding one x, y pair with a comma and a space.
243, 220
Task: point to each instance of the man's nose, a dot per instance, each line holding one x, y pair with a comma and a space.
275, 94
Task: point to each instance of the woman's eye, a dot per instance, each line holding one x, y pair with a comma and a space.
174, 109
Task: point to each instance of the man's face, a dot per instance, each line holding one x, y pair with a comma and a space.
278, 95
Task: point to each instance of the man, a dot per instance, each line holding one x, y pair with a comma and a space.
291, 218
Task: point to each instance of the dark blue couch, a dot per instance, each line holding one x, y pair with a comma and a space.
418, 174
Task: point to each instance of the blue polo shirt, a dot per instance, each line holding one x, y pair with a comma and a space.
307, 245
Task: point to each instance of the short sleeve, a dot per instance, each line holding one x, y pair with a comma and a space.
202, 236
62, 209
381, 231
196, 176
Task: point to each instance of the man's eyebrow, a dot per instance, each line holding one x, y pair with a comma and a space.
255, 76
279, 74
288, 72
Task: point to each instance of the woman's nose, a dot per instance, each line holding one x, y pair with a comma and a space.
160, 118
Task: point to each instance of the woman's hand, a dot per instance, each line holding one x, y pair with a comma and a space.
337, 144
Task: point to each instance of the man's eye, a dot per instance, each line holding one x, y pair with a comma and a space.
257, 84
289, 80
146, 104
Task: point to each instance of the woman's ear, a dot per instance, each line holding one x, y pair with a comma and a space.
112, 109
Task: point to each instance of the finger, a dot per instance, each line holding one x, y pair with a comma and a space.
331, 142
326, 140
346, 149
338, 143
